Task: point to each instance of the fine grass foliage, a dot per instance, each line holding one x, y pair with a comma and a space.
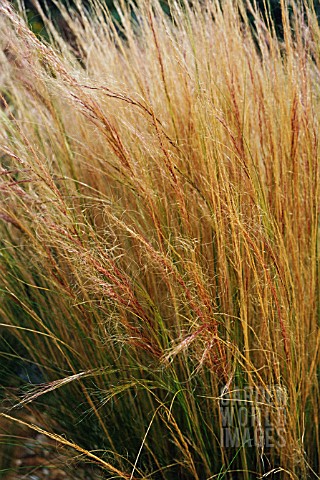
159, 247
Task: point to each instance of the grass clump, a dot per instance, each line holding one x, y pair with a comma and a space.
159, 261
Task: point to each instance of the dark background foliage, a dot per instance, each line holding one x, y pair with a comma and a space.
37, 26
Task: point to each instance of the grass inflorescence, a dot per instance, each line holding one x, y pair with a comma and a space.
159, 252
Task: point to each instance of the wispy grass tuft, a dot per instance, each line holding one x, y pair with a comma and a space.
159, 252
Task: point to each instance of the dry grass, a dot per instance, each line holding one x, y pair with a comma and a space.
159, 224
